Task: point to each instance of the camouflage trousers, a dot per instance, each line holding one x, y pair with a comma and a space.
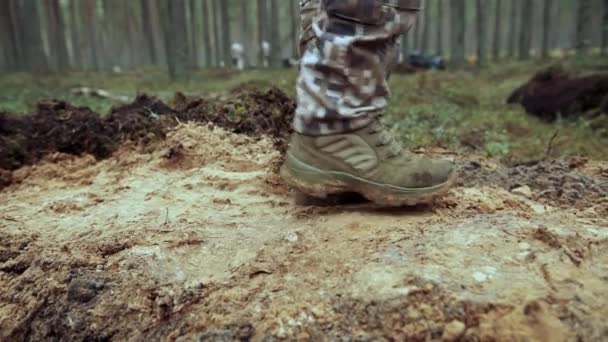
347, 48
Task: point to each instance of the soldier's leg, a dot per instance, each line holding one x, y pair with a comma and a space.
339, 145
347, 47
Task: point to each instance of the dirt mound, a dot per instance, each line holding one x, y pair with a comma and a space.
196, 239
250, 112
559, 181
554, 92
57, 126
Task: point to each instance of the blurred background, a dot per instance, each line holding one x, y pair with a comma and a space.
516, 80
181, 35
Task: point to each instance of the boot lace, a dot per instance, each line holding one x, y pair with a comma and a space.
385, 140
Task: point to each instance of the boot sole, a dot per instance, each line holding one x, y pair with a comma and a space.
320, 184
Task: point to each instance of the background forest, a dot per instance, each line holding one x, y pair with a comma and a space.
55, 49
59, 35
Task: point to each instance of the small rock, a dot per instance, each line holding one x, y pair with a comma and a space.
164, 307
453, 331
83, 290
6, 178
523, 191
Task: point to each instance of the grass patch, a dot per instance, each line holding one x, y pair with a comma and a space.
463, 110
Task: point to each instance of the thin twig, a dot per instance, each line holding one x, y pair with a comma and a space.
166, 217
549, 150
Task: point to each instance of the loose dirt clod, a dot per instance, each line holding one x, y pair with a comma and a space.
554, 92
557, 181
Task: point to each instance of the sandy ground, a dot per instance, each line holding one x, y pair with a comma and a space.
197, 239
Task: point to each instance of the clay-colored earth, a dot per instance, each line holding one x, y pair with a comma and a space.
198, 239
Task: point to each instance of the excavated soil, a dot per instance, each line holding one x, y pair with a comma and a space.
57, 126
554, 93
195, 237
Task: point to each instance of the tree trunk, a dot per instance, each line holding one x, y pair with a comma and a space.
35, 57
216, 33
513, 28
605, 29
405, 47
176, 32
194, 32
92, 37
148, 32
9, 39
426, 28
458, 27
132, 41
56, 36
440, 18
583, 16
547, 29
496, 44
294, 21
227, 38
525, 33
261, 31
481, 32
207, 34
245, 31
416, 35
275, 37
76, 40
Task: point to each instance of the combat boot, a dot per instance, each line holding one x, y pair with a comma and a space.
368, 161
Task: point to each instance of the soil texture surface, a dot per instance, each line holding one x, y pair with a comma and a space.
169, 222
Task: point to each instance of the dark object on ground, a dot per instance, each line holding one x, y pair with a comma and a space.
289, 63
554, 93
421, 61
57, 126
416, 62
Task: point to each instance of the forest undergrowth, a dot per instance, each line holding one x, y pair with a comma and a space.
464, 111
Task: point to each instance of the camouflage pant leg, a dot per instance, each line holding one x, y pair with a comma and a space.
347, 47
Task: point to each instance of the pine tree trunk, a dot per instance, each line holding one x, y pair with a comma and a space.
605, 29
275, 37
148, 32
217, 42
405, 47
547, 29
294, 22
440, 18
416, 35
9, 38
207, 34
178, 54
194, 32
245, 31
457, 41
426, 28
58, 55
132, 41
583, 16
36, 59
76, 40
481, 32
497, 41
261, 31
225, 32
108, 27
92, 37
513, 28
525, 33
557, 42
